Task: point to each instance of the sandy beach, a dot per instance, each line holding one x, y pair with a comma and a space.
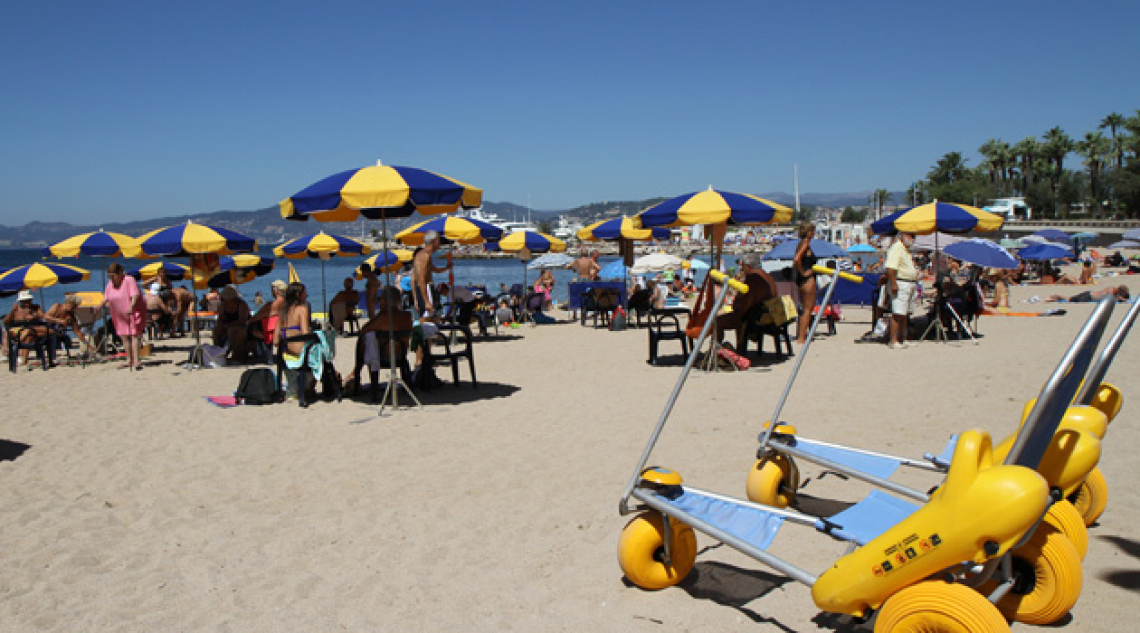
135, 505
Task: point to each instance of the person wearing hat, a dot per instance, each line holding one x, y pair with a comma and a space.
26, 322
128, 311
233, 317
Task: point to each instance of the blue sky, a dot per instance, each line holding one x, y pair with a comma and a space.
129, 110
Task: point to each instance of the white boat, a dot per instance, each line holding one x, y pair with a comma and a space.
565, 229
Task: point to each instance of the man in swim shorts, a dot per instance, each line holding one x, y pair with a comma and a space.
422, 269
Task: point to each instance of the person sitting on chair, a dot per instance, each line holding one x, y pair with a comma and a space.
349, 298
26, 321
157, 311
233, 317
62, 316
1001, 289
761, 287
390, 316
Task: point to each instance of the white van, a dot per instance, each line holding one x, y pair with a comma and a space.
1010, 208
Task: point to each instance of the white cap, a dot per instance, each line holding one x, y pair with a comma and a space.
25, 295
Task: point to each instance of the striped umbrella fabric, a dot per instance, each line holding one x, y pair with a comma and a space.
621, 229
1133, 235
532, 240
385, 262
380, 191
41, 275
236, 270
190, 239
947, 217
452, 229
714, 207
174, 272
95, 244
322, 245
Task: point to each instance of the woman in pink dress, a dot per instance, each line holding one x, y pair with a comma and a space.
128, 311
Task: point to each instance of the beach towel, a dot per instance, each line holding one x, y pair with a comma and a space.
224, 402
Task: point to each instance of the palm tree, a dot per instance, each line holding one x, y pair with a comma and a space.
1113, 122
990, 151
950, 168
1096, 149
1026, 150
1057, 145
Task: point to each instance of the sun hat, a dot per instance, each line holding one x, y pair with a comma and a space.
25, 295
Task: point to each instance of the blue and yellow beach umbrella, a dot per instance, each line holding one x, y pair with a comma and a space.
190, 239
380, 191
322, 245
713, 207
385, 262
236, 270
532, 240
174, 272
621, 229
41, 275
95, 244
452, 229
947, 217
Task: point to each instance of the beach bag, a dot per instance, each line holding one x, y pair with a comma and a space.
618, 320
258, 386
212, 355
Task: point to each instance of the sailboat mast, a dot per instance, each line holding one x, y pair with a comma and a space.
796, 173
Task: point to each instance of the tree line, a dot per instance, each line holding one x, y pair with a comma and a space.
1105, 183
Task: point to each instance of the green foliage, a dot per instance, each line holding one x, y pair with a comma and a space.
851, 215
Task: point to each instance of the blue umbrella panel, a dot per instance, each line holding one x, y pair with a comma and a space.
982, 252
821, 248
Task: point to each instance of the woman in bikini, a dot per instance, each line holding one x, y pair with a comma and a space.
805, 279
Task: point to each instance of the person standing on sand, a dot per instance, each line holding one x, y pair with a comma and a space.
128, 311
422, 269
903, 285
585, 267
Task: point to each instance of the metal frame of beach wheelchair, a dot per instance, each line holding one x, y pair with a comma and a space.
911, 566
1070, 466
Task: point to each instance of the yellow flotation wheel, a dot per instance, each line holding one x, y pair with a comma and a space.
641, 551
1092, 497
938, 606
773, 481
1047, 579
1108, 399
1063, 516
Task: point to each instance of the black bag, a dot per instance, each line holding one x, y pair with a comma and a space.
618, 320
258, 386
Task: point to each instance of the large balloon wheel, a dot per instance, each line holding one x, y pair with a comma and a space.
641, 551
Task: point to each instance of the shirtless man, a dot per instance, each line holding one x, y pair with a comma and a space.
63, 315
422, 269
761, 287
586, 266
349, 297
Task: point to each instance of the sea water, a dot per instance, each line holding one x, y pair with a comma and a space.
489, 273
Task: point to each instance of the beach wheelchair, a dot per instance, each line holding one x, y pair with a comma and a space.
978, 539
1069, 466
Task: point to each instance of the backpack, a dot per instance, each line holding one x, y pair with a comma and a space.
618, 320
258, 386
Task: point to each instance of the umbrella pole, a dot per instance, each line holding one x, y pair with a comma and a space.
324, 298
937, 323
394, 380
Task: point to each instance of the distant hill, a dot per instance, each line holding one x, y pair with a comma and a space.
267, 226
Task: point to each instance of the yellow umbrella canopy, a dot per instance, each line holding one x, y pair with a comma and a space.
533, 240
451, 229
947, 217
714, 207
